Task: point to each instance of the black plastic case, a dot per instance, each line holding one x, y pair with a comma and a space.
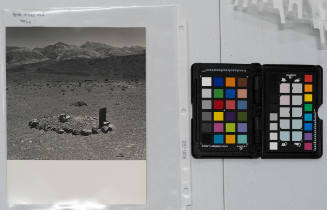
261, 85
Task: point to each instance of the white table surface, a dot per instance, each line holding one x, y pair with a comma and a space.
239, 184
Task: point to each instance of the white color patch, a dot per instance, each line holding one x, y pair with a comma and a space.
273, 136
284, 88
273, 116
206, 81
284, 112
273, 145
297, 112
206, 93
296, 100
297, 88
284, 124
273, 126
285, 100
297, 124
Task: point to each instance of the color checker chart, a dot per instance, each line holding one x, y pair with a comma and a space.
222, 110
253, 110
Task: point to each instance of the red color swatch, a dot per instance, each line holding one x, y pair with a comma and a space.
308, 146
308, 78
230, 104
218, 104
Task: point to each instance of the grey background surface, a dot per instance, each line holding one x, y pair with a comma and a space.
218, 33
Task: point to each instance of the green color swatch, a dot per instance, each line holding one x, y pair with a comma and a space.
242, 116
218, 93
308, 107
230, 127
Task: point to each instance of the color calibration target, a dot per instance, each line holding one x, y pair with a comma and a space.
224, 110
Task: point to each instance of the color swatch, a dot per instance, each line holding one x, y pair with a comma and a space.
224, 110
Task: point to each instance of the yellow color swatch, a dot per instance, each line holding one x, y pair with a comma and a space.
307, 97
230, 139
230, 81
307, 88
218, 116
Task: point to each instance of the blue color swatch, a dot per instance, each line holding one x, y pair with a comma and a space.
218, 81
307, 117
242, 104
218, 139
230, 93
308, 126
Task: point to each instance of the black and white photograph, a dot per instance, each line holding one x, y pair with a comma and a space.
76, 93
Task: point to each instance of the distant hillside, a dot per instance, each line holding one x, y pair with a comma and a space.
22, 55
119, 67
62, 51
89, 59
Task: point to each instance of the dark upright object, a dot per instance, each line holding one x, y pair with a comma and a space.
102, 116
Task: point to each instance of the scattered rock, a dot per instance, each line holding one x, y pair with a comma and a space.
85, 132
68, 130
95, 131
60, 131
64, 118
79, 104
33, 123
120, 155
105, 129
79, 129
106, 123
44, 127
76, 132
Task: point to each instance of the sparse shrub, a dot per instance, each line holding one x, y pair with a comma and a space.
79, 103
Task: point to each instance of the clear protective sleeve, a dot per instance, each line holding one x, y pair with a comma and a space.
89, 184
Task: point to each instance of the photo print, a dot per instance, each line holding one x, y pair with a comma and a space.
76, 93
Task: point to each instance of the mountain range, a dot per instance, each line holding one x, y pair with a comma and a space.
61, 60
61, 51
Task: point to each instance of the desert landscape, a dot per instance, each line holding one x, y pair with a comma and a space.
76, 80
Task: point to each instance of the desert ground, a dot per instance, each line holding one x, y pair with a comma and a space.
40, 95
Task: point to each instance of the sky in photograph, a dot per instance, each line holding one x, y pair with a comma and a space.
32, 37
